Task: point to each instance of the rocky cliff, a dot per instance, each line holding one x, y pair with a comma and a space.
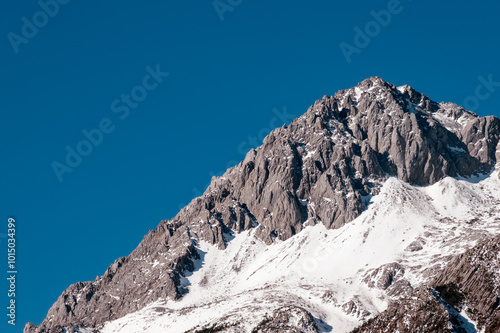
322, 168
468, 287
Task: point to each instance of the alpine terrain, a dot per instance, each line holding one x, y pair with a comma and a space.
378, 210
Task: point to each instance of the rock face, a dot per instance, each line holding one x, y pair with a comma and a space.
418, 311
471, 282
319, 169
288, 319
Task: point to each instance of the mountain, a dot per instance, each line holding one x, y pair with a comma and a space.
371, 210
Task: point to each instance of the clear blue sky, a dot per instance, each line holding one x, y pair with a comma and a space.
225, 78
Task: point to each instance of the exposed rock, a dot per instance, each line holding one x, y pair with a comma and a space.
384, 276
418, 312
290, 319
318, 169
353, 308
219, 327
415, 246
471, 282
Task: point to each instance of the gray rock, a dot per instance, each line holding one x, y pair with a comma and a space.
316, 170
384, 276
292, 319
471, 282
353, 308
414, 246
419, 311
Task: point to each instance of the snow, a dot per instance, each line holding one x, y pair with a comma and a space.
411, 107
462, 320
443, 116
456, 199
85, 330
309, 154
357, 93
456, 149
468, 320
402, 89
249, 279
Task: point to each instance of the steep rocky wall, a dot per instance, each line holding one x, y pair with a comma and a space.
319, 169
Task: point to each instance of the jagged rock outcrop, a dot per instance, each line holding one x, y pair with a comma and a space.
417, 312
471, 283
319, 169
383, 277
291, 319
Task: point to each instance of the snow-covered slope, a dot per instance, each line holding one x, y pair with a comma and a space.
342, 276
321, 228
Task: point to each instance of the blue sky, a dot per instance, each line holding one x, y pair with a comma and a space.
234, 72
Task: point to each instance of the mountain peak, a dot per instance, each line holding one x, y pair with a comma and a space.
322, 169
373, 81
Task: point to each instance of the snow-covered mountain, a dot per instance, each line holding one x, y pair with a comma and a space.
375, 211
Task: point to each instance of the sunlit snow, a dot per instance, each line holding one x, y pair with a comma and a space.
321, 270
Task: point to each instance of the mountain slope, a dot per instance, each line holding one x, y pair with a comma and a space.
341, 276
353, 160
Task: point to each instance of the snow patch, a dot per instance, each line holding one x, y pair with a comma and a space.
322, 270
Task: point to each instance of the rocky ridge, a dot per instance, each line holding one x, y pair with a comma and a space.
468, 287
321, 168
